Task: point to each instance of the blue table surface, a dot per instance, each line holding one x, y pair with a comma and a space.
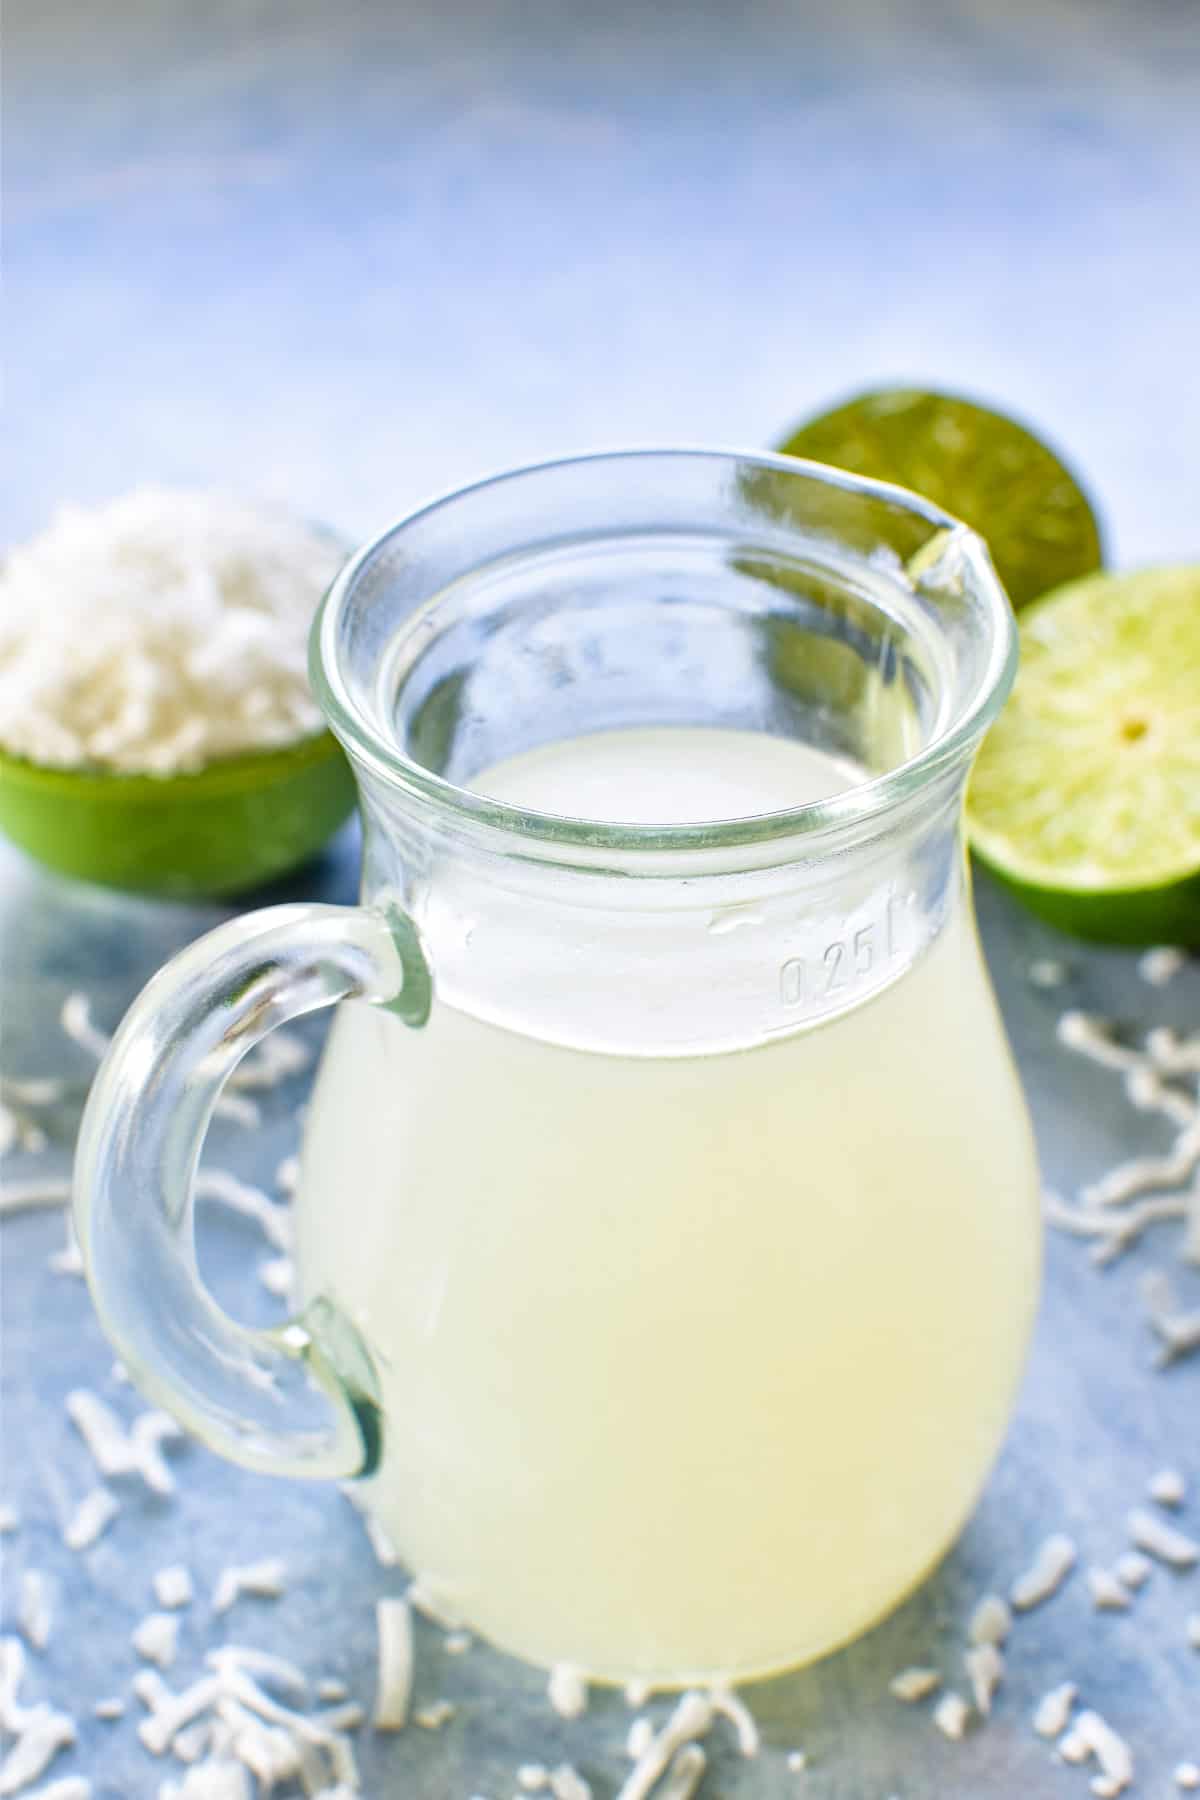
350, 256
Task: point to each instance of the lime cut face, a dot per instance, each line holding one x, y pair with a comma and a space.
982, 467
1086, 794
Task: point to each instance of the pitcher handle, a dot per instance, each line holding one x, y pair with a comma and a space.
300, 1399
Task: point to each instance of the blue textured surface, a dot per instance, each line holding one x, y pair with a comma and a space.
351, 256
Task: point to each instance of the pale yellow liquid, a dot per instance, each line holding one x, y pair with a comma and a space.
690, 1364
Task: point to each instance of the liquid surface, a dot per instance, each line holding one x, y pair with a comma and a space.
668, 775
690, 1364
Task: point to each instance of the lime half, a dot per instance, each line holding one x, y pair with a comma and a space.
980, 466
1086, 794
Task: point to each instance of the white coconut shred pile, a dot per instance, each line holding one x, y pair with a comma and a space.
160, 631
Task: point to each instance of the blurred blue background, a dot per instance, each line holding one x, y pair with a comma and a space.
348, 255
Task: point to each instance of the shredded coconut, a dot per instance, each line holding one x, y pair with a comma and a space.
29, 1196
1110, 1750
1053, 1712
1133, 1569
240, 1197
637, 1693
985, 1671
9, 1520
76, 1021
950, 1715
1091, 1037
533, 1777
1153, 1535
287, 1175
263, 1579
685, 1774
567, 1691
914, 1684
34, 1614
157, 1638
1167, 1487
730, 1706
1049, 1569
691, 1719
113, 1708
1161, 965
278, 1276
991, 1621
1108, 1591
159, 631
1178, 1331
393, 1623
457, 1643
433, 1716
797, 1761
173, 1587
42, 1735
93, 1516
1187, 1775
638, 1738
567, 1784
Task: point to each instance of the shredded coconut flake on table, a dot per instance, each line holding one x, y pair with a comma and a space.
434, 1601
240, 1197
1187, 1775
914, 1684
567, 1783
434, 1716
950, 1715
157, 1638
29, 1196
93, 1516
567, 1691
638, 1738
685, 1774
991, 1621
1178, 1331
457, 1643
985, 1671
1053, 1712
1157, 1538
42, 1734
533, 1777
730, 1706
1108, 1591
9, 1520
797, 1761
34, 1614
265, 1580
393, 1625
159, 631
1161, 965
1050, 1567
1133, 1569
1110, 1750
112, 1708
1167, 1487
691, 1719
173, 1586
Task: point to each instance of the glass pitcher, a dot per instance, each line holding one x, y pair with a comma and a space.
667, 1241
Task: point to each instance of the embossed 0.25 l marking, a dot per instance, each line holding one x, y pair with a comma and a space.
842, 963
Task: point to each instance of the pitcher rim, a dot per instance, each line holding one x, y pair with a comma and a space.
369, 747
